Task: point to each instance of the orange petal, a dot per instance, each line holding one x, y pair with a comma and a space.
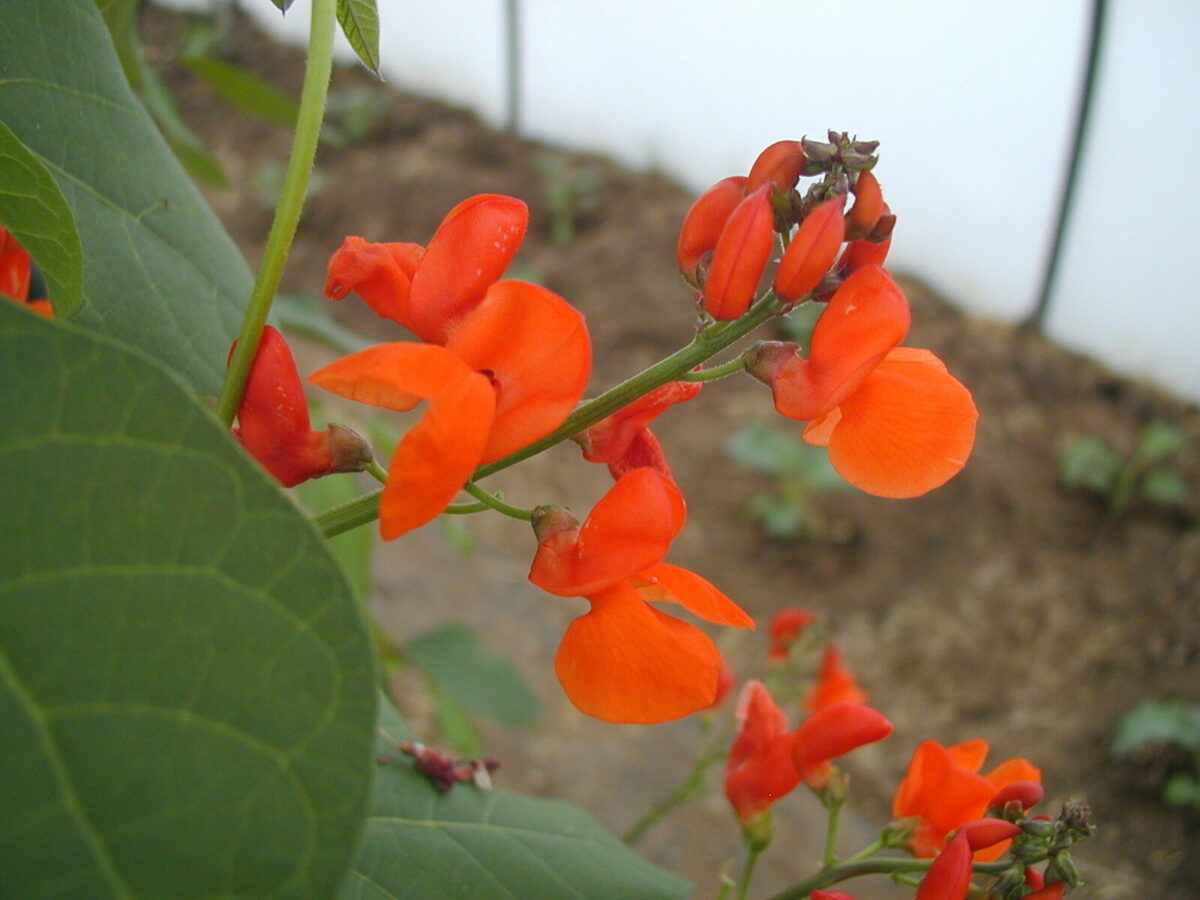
1014, 770
379, 273
703, 223
812, 252
908, 429
665, 583
626, 662
609, 439
760, 768
535, 348
835, 683
969, 755
469, 251
865, 319
438, 455
644, 451
629, 530
740, 256
834, 731
949, 876
943, 793
868, 207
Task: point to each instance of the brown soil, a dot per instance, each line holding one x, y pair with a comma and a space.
1000, 606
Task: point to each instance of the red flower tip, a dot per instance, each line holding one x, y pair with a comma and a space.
1053, 891
624, 441
780, 164
16, 268
949, 876
868, 207
273, 422
1026, 794
785, 629
871, 250
725, 683
830, 895
812, 252
834, 731
703, 224
835, 683
987, 832
740, 256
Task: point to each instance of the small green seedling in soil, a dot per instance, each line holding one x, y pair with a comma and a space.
571, 191
353, 114
1093, 464
1157, 728
800, 472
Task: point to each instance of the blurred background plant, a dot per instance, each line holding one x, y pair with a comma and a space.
1163, 736
1147, 474
571, 191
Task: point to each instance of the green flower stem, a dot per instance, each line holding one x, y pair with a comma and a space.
464, 509
692, 786
755, 850
709, 342
378, 472
287, 214
831, 833
491, 500
712, 374
831, 875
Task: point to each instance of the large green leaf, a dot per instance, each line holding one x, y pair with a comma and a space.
158, 269
470, 844
187, 689
33, 208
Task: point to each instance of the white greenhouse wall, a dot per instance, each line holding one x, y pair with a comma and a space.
973, 101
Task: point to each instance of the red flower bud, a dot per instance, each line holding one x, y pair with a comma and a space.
868, 207
949, 875
1053, 891
1027, 794
740, 257
812, 251
983, 833
703, 224
780, 164
786, 627
830, 895
15, 268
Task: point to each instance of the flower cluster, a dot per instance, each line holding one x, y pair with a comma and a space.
896, 423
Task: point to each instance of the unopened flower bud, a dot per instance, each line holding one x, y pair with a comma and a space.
818, 151
1025, 794
982, 833
883, 229
866, 148
1039, 827
868, 207
780, 164
812, 251
706, 219
740, 256
1062, 868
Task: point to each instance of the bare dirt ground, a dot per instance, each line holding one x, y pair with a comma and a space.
1000, 606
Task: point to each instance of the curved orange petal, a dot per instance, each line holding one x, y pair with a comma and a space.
437, 456
379, 273
740, 256
1013, 770
868, 207
949, 876
626, 662
535, 348
610, 438
969, 755
628, 530
943, 790
469, 251
834, 731
644, 451
835, 683
16, 267
908, 429
781, 164
665, 583
865, 319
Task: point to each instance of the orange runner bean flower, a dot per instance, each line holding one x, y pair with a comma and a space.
624, 440
624, 661
511, 371
812, 251
766, 761
944, 791
896, 423
706, 219
273, 422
